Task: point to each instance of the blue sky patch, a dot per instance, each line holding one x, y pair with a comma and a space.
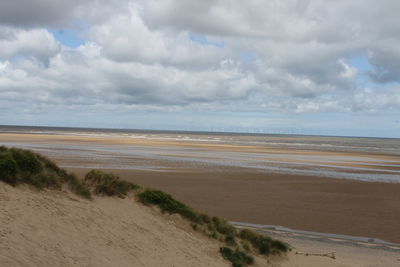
201, 39
360, 61
68, 37
248, 56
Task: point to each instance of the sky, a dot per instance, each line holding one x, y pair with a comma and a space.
277, 66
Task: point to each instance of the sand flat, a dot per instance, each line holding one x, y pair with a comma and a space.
300, 202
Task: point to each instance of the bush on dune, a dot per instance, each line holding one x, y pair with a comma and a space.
18, 166
77, 187
223, 227
52, 166
26, 160
217, 228
168, 204
8, 168
237, 257
108, 184
264, 245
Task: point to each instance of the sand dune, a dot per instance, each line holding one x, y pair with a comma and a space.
57, 228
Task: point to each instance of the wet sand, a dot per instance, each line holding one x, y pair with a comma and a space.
300, 202
304, 202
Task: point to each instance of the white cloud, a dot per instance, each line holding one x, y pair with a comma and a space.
348, 72
37, 43
138, 54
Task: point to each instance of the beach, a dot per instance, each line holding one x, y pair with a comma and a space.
59, 228
300, 202
247, 182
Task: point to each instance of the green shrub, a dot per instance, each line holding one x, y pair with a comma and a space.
108, 184
8, 168
245, 246
237, 257
210, 227
24, 166
42, 180
213, 235
26, 161
95, 177
264, 244
230, 240
223, 227
194, 226
205, 218
77, 186
52, 167
168, 204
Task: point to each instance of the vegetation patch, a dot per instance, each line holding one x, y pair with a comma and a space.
237, 257
20, 166
264, 244
223, 227
8, 168
168, 204
217, 228
77, 187
108, 184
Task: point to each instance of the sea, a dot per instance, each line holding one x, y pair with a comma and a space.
356, 158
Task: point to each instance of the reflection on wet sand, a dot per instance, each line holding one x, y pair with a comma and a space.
162, 154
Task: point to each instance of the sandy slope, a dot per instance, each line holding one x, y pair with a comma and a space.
57, 228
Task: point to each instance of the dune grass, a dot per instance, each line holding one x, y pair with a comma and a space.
238, 243
20, 166
77, 187
237, 257
8, 168
108, 184
264, 244
168, 204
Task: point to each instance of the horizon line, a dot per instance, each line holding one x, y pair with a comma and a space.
197, 131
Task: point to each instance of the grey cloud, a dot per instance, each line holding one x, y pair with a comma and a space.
296, 20
57, 13
37, 43
309, 37
35, 13
386, 63
138, 54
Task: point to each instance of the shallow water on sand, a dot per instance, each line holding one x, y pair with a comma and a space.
367, 159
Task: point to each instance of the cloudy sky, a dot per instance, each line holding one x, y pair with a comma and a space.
276, 66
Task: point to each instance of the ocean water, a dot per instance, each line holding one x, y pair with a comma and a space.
359, 158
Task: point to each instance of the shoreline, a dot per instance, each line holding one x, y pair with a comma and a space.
297, 201
282, 231
140, 153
